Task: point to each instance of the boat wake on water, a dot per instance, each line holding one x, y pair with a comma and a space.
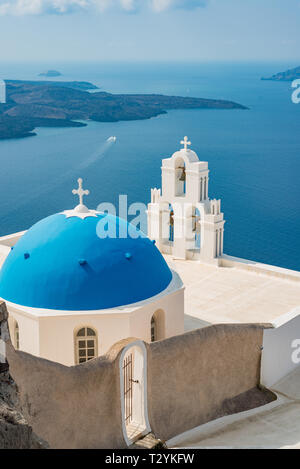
99, 153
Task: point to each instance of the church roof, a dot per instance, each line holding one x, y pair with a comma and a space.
63, 262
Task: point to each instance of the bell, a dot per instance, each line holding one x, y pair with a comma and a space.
182, 176
172, 218
196, 224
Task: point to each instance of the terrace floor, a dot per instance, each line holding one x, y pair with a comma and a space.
235, 295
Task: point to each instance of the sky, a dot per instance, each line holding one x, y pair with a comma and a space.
149, 30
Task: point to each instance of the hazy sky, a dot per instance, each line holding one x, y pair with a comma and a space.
94, 30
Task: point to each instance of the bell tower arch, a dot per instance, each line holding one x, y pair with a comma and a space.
195, 217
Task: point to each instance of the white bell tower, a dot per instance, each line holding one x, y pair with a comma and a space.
182, 219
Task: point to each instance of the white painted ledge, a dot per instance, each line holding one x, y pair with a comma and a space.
257, 267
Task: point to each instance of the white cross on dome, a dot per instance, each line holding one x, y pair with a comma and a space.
80, 211
80, 191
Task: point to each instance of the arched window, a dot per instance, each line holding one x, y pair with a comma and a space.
180, 181
158, 325
171, 223
153, 329
197, 228
217, 243
16, 336
205, 189
85, 345
220, 243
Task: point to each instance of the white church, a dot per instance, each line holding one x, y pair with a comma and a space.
71, 294
155, 309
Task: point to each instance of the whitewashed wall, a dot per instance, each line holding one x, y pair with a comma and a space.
50, 334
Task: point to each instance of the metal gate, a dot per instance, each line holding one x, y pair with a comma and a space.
128, 380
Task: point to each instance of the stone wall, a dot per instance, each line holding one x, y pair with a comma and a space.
192, 378
71, 407
195, 377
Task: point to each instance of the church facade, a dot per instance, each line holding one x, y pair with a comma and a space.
72, 293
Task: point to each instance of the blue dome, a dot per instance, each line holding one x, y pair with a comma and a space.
60, 263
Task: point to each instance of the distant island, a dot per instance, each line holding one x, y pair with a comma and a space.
32, 104
50, 73
288, 75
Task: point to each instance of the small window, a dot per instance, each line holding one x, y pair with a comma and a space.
158, 326
153, 329
171, 223
85, 345
17, 336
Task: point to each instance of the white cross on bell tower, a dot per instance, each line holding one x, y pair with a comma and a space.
185, 142
80, 192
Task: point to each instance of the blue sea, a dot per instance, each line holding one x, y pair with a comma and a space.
253, 155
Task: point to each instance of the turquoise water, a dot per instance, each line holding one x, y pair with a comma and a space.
254, 156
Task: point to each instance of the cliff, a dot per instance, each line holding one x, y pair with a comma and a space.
15, 432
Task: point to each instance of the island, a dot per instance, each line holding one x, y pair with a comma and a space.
32, 104
288, 75
50, 73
